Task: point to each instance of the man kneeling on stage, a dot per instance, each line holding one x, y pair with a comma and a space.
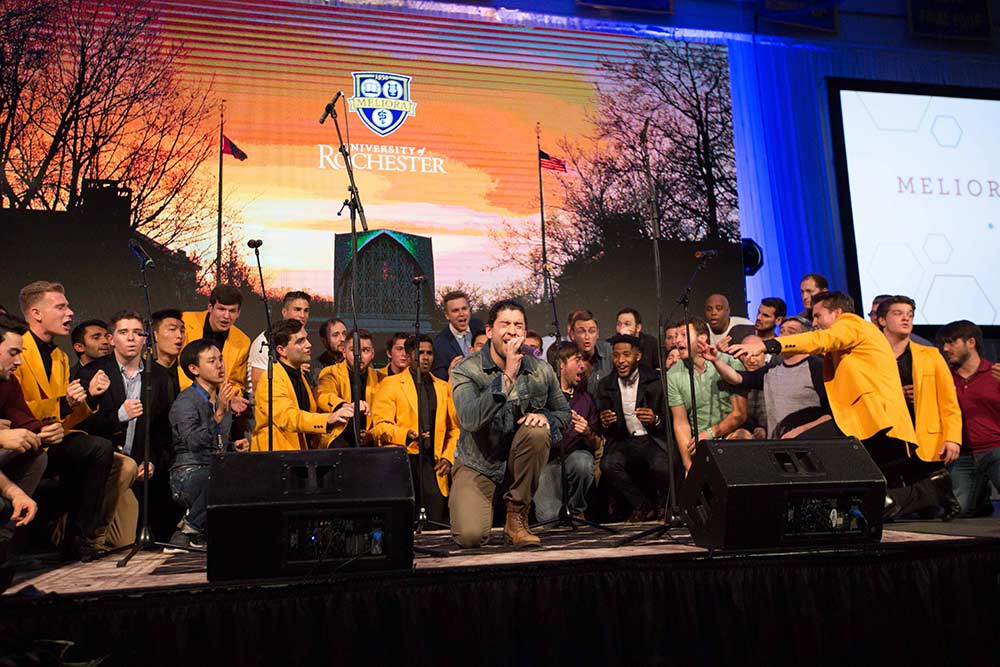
423, 420
510, 408
866, 398
200, 421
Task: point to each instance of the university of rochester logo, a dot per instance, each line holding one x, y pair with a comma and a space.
382, 100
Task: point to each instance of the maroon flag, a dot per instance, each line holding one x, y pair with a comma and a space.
549, 162
229, 148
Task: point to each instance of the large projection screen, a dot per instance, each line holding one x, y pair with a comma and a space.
919, 184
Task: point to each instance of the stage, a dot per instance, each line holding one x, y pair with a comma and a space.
927, 593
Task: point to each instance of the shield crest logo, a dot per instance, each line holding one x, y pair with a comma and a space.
382, 101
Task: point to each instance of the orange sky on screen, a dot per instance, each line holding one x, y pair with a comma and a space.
477, 105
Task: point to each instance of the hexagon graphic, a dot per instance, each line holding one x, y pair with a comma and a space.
895, 269
946, 131
937, 248
895, 113
939, 306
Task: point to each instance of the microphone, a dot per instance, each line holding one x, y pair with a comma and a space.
705, 254
145, 261
329, 107
419, 280
254, 243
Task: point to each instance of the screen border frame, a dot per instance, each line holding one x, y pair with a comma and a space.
835, 86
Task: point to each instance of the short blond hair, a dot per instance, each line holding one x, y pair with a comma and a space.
34, 292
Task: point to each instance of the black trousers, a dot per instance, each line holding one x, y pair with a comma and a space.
425, 480
626, 461
164, 513
906, 476
83, 463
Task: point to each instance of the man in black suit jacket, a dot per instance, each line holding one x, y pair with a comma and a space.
631, 406
121, 416
455, 340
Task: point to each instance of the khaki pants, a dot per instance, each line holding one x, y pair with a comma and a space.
120, 512
471, 499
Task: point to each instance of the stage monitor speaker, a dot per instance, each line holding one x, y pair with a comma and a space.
300, 513
752, 494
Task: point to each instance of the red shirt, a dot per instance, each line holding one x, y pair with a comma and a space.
979, 398
13, 407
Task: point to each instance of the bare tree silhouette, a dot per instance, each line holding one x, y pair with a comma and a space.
92, 90
669, 102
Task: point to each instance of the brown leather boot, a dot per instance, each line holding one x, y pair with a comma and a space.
515, 529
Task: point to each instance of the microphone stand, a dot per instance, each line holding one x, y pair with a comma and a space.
422, 519
270, 351
353, 203
671, 512
145, 539
672, 517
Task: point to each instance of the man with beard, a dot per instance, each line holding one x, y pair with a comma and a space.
866, 397
770, 314
414, 409
332, 334
510, 409
977, 383
579, 443
630, 404
82, 462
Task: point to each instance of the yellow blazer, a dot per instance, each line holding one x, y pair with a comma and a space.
43, 394
333, 387
234, 352
394, 412
294, 429
935, 402
861, 377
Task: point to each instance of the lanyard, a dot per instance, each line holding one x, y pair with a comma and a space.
218, 427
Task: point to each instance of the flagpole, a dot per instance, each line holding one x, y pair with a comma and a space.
218, 238
541, 212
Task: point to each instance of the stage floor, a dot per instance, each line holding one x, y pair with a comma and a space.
156, 570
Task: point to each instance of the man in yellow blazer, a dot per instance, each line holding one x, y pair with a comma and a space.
865, 393
298, 424
84, 462
333, 389
426, 421
930, 395
218, 324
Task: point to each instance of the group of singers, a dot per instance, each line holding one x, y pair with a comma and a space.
487, 421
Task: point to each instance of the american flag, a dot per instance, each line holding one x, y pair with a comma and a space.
549, 162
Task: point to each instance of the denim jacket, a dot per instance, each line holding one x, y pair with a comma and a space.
488, 415
196, 435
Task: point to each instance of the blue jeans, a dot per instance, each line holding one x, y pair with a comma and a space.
189, 487
970, 474
580, 478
